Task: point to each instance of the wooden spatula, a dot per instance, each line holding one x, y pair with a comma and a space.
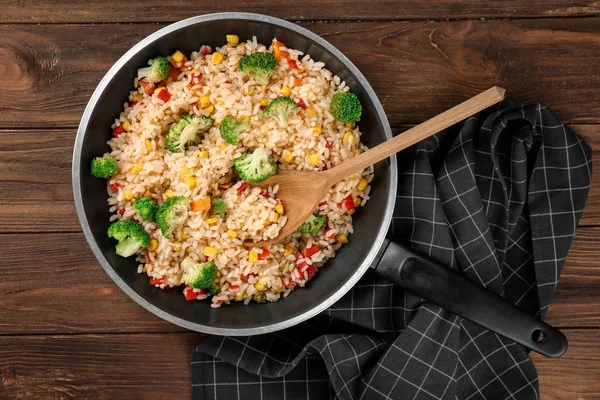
299, 203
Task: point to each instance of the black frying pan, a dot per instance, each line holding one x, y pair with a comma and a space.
368, 245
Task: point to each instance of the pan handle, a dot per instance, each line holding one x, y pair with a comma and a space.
461, 296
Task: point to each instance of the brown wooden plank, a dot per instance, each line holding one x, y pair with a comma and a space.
418, 68
43, 11
143, 366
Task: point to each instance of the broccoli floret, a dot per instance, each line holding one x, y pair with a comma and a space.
280, 110
131, 236
198, 275
312, 225
218, 207
259, 66
255, 167
345, 107
146, 208
103, 167
156, 72
230, 129
214, 290
172, 214
186, 132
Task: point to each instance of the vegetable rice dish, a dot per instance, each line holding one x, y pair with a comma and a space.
191, 142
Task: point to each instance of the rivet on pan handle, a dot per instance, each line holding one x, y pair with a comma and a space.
461, 296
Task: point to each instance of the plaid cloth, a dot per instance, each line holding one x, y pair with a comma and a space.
497, 197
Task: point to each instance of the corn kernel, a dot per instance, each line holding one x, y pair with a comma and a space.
136, 169
350, 212
232, 234
244, 118
362, 184
275, 217
349, 137
317, 128
217, 58
210, 109
220, 103
210, 252
178, 282
233, 39
239, 297
350, 125
314, 159
194, 71
184, 171
148, 145
126, 125
259, 286
204, 101
145, 268
153, 245
177, 247
169, 193
278, 289
249, 92
242, 45
287, 156
279, 208
203, 154
341, 238
147, 194
264, 102
356, 152
212, 220
357, 201
285, 91
185, 236
263, 87
138, 97
223, 146
127, 194
287, 251
177, 56
190, 181
229, 46
219, 274
311, 111
253, 256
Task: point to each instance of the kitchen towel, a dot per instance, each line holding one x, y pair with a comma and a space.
497, 197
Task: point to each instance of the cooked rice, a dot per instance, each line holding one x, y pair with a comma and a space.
251, 214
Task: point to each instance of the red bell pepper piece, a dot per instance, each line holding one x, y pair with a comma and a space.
205, 50
245, 277
311, 251
294, 65
301, 104
234, 287
310, 272
243, 186
264, 254
157, 281
147, 86
349, 203
164, 95
115, 187
195, 78
173, 73
122, 211
189, 293
117, 130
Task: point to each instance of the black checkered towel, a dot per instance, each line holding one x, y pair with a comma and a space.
497, 197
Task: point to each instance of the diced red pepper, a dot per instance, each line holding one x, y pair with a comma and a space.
164, 95
264, 193
301, 104
115, 187
134, 103
117, 130
262, 107
218, 301
294, 65
234, 287
195, 78
122, 211
264, 254
282, 281
292, 284
310, 271
148, 260
349, 203
243, 186
328, 145
205, 50
173, 73
157, 281
245, 277
323, 203
298, 81
195, 108
147, 86
311, 251
228, 82
189, 293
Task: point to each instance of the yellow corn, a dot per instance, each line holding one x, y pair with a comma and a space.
264, 102
217, 58
275, 217
210, 109
252, 256
153, 245
350, 125
263, 87
219, 274
229, 46
249, 92
190, 181
311, 111
287, 156
210, 252
136, 169
356, 152
177, 247
223, 146
341, 238
357, 201
220, 103
285, 91
203, 154
350, 212
349, 137
317, 128
177, 56
314, 159
242, 45
239, 297
244, 118
287, 251
127, 194
169, 193
185, 236
362, 184
279, 208
259, 286
233, 39
194, 71
138, 97
147, 194
184, 171
212, 220
204, 101
148, 145
126, 125
145, 268
232, 234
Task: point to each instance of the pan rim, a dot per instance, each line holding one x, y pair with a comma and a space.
78, 196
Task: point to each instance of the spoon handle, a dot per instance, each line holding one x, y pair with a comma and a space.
416, 134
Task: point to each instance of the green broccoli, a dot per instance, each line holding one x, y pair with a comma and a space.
172, 214
259, 66
214, 290
312, 225
218, 207
131, 236
255, 167
345, 107
156, 72
146, 208
104, 167
230, 129
188, 131
198, 275
280, 110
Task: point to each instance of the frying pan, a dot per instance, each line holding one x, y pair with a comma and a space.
368, 247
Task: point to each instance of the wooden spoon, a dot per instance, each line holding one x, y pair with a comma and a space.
301, 191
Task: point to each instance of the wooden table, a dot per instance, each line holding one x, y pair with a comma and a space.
66, 331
